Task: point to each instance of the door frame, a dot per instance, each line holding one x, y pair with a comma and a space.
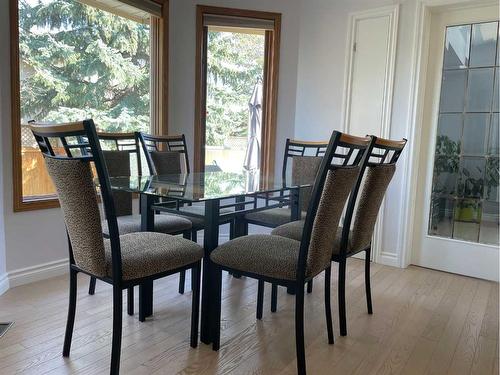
392, 11
270, 86
418, 79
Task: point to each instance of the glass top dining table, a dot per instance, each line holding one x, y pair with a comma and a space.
224, 198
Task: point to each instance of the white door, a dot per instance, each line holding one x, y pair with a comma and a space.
370, 75
459, 157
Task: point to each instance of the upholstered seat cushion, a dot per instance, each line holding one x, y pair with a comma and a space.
294, 229
148, 253
272, 217
163, 224
271, 256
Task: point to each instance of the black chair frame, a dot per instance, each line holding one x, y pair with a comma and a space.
174, 143
382, 151
292, 148
337, 140
90, 151
132, 143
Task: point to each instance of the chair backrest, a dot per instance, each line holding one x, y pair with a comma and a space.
165, 154
305, 159
123, 158
376, 174
337, 175
73, 178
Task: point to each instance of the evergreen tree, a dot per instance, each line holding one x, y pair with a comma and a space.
79, 62
235, 64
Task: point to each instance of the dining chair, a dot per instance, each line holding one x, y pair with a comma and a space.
364, 205
122, 261
166, 155
123, 158
304, 157
289, 262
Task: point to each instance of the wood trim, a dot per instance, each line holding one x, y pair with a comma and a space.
270, 92
390, 143
354, 140
164, 64
19, 204
309, 143
200, 89
159, 76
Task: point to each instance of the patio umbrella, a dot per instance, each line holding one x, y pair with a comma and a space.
252, 156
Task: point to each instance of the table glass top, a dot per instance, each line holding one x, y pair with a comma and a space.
202, 186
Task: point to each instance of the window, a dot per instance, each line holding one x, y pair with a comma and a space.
465, 198
237, 60
82, 59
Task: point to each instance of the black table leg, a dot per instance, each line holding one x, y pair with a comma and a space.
210, 242
147, 225
295, 215
240, 224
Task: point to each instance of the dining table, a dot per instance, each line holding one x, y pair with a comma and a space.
222, 197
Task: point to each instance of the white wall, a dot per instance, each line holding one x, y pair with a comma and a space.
37, 238
182, 64
320, 85
31, 238
311, 82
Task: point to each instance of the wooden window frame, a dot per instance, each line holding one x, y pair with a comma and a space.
159, 103
270, 85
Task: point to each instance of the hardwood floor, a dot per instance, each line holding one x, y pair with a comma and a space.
424, 322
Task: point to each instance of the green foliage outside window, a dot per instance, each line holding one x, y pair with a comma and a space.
235, 65
81, 62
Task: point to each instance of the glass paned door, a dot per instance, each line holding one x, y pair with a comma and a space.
465, 199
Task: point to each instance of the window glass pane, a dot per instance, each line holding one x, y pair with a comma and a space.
449, 134
79, 62
480, 90
491, 180
484, 43
453, 91
456, 54
474, 135
489, 223
445, 175
471, 177
441, 220
467, 217
493, 148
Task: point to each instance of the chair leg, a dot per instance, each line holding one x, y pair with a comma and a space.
260, 299
328, 307
117, 330
217, 290
92, 285
195, 308
182, 281
299, 330
71, 312
341, 286
130, 301
310, 286
194, 235
274, 298
367, 281
182, 276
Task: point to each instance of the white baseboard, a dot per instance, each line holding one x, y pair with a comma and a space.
4, 283
36, 273
388, 259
